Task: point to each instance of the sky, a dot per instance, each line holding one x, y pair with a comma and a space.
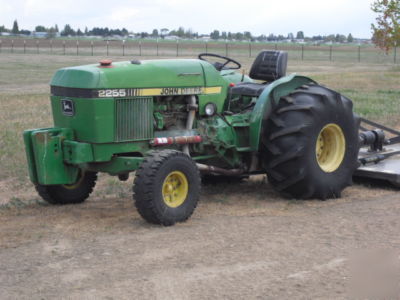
313, 17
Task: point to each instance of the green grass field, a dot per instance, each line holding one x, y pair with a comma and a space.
24, 100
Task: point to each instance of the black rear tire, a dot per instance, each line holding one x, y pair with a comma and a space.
69, 194
167, 187
294, 159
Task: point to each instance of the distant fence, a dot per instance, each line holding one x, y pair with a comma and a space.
350, 53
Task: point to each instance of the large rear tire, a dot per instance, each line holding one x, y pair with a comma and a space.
167, 187
310, 143
69, 193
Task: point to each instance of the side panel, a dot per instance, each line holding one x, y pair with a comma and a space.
213, 78
92, 120
263, 107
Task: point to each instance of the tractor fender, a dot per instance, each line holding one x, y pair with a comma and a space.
271, 94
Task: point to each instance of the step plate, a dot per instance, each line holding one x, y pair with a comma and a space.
388, 169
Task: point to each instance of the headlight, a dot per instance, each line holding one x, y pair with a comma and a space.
210, 109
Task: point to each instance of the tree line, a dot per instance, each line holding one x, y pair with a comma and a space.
385, 33
181, 32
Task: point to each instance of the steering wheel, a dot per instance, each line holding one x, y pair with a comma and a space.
219, 66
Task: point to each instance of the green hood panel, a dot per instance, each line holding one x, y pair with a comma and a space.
150, 73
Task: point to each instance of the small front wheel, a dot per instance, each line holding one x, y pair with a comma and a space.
69, 193
167, 187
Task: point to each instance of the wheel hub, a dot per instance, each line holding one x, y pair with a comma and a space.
330, 148
175, 189
75, 185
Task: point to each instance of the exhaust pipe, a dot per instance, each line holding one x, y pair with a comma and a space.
212, 169
192, 106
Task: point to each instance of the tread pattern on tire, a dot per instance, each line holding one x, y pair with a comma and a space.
144, 187
289, 136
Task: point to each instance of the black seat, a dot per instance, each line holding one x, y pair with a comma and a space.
268, 66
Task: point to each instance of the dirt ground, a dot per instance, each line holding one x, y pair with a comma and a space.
243, 242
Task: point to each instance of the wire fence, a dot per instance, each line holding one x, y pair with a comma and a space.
132, 48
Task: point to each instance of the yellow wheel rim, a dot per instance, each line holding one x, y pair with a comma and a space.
175, 189
330, 147
76, 184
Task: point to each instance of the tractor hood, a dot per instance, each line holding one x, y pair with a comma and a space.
143, 74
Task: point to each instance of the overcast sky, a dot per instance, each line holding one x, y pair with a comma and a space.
257, 16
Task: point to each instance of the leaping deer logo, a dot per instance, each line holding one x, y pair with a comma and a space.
67, 106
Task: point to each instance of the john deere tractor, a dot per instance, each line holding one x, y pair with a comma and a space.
172, 122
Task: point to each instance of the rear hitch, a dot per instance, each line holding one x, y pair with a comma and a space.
373, 138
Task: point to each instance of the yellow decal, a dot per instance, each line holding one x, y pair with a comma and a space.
169, 91
212, 90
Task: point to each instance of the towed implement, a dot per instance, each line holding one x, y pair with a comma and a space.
173, 122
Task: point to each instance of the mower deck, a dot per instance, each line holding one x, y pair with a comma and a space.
387, 169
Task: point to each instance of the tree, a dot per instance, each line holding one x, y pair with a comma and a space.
180, 32
189, 33
271, 37
154, 33
247, 35
164, 32
300, 35
67, 31
23, 31
262, 38
350, 38
340, 38
215, 35
239, 36
51, 33
330, 38
386, 32
290, 36
15, 29
40, 28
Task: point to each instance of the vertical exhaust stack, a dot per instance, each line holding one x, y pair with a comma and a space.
192, 107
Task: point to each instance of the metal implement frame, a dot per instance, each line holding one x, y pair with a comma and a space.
380, 164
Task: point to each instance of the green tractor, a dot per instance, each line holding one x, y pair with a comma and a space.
175, 121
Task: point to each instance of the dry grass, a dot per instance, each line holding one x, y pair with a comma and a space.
24, 103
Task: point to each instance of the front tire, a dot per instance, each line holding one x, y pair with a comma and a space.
167, 187
310, 143
69, 193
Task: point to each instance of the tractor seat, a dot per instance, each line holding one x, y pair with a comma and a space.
268, 66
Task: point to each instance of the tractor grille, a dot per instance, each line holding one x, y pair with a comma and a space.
134, 119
